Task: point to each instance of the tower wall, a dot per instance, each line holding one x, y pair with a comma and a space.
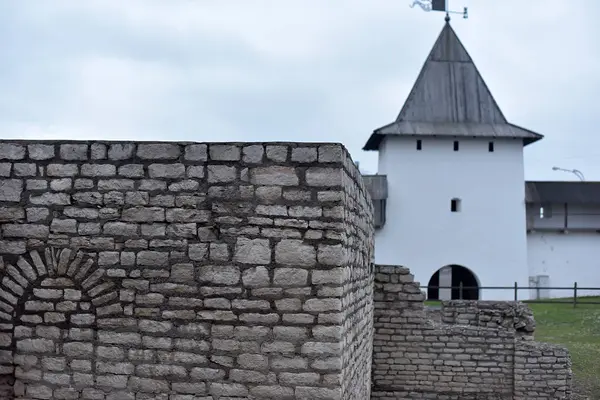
487, 235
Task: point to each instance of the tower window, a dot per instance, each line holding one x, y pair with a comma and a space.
456, 145
419, 144
491, 147
455, 205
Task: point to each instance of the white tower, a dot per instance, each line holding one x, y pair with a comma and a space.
455, 207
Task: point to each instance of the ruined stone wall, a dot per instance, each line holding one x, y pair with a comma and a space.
415, 358
510, 315
184, 271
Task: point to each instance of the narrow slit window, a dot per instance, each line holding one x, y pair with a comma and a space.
491, 147
456, 145
455, 205
419, 144
542, 212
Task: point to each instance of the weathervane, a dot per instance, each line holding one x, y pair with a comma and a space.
438, 5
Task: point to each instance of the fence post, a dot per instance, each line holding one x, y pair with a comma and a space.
460, 290
516, 291
575, 295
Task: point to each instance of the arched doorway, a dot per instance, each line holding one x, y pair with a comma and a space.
454, 276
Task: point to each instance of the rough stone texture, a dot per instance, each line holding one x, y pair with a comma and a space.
184, 271
515, 316
415, 357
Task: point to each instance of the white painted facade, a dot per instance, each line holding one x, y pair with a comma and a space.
488, 233
564, 246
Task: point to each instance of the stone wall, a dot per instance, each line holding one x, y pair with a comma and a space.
357, 297
510, 315
184, 271
415, 357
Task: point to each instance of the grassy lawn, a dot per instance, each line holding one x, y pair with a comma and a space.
578, 329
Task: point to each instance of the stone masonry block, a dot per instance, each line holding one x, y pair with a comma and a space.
224, 152
324, 177
41, 151
252, 251
158, 151
275, 175
74, 152
121, 151
11, 190
5, 169
196, 152
9, 151
295, 252
304, 154
253, 154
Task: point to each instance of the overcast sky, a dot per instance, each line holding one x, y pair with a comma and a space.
290, 70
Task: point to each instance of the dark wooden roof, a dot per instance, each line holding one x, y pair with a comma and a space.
450, 98
562, 192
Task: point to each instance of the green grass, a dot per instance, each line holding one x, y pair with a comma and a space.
578, 329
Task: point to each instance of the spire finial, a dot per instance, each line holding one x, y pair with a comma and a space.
438, 5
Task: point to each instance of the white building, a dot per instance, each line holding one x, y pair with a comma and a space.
451, 199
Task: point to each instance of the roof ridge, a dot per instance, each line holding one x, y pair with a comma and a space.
449, 87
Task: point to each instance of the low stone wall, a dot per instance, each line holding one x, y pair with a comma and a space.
510, 315
415, 358
184, 271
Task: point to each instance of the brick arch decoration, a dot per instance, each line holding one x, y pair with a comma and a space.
48, 308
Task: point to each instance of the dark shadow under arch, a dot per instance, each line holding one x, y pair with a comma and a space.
460, 275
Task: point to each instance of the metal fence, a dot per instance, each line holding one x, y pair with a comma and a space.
569, 290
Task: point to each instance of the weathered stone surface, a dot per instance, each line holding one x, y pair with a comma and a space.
5, 169
275, 175
221, 173
196, 152
224, 152
256, 277
62, 170
253, 251
295, 252
98, 151
98, 170
143, 214
11, 213
304, 154
166, 170
155, 151
10, 151
324, 177
331, 153
41, 151
223, 275
25, 169
11, 190
71, 151
253, 154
